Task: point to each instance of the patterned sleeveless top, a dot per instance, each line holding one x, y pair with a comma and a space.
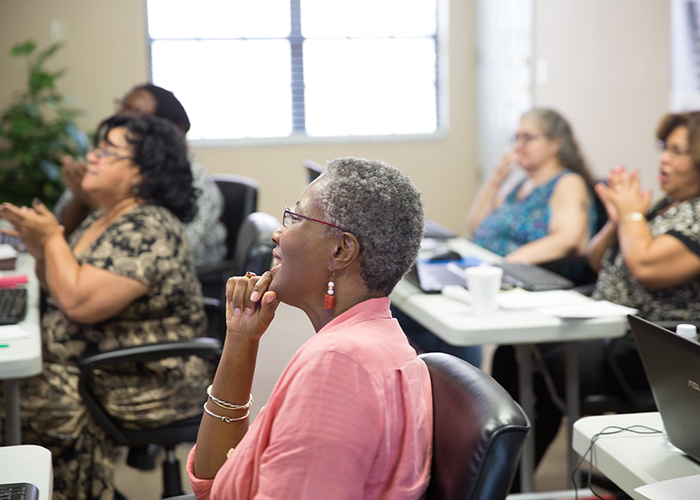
517, 222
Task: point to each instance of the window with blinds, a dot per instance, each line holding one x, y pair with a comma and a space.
285, 68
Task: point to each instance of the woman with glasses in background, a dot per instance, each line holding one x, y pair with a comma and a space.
125, 277
351, 415
549, 214
647, 257
205, 233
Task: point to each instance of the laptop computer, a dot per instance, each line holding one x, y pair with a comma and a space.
672, 365
432, 276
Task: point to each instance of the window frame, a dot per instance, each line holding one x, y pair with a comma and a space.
299, 136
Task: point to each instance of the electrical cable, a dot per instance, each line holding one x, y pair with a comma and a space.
611, 429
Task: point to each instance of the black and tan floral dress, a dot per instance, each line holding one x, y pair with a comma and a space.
148, 245
616, 283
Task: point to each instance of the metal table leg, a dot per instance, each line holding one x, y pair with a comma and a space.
573, 407
523, 353
12, 412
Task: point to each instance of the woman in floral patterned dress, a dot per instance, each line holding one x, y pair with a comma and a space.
125, 277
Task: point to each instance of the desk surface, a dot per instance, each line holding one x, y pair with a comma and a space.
456, 324
22, 357
27, 464
632, 460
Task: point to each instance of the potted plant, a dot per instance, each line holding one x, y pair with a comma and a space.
36, 131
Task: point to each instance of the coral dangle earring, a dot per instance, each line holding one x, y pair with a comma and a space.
329, 301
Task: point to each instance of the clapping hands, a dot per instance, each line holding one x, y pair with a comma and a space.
35, 225
622, 195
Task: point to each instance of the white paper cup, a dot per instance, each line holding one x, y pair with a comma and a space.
484, 282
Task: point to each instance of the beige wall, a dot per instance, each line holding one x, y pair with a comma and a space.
106, 53
609, 73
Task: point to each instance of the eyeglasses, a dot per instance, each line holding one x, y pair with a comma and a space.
289, 216
101, 153
524, 138
674, 150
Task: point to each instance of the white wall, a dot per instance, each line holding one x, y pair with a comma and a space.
106, 54
609, 74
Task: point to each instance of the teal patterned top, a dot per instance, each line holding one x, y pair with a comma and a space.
517, 222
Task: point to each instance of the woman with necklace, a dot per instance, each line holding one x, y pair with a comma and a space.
125, 277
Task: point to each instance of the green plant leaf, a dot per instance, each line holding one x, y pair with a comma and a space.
45, 55
36, 130
40, 80
23, 49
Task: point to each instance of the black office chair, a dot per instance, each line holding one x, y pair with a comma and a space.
240, 199
478, 432
253, 253
168, 436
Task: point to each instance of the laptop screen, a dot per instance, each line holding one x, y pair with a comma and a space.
672, 366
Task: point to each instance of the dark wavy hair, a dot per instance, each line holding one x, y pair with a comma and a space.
689, 120
161, 154
167, 105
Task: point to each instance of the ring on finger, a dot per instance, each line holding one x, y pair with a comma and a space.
618, 189
250, 274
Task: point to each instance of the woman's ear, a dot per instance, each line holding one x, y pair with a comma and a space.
346, 251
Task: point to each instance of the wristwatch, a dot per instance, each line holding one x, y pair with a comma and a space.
636, 216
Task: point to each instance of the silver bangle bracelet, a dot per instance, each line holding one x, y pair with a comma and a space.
226, 420
226, 404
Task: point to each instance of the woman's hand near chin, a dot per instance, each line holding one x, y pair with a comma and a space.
250, 305
504, 168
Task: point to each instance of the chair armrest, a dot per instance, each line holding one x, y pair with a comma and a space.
202, 347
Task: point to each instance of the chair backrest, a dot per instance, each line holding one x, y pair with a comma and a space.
478, 432
240, 199
254, 245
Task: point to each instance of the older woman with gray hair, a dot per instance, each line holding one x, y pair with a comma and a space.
550, 213
351, 416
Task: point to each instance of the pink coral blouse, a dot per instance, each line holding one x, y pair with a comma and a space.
350, 418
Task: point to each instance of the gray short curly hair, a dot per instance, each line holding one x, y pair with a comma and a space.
380, 206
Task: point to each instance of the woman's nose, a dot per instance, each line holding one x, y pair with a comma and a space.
276, 235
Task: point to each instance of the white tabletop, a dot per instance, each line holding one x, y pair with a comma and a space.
21, 358
456, 324
27, 463
632, 460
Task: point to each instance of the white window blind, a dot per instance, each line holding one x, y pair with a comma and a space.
280, 68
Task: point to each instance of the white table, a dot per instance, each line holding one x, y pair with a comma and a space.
632, 460
21, 358
455, 323
27, 464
